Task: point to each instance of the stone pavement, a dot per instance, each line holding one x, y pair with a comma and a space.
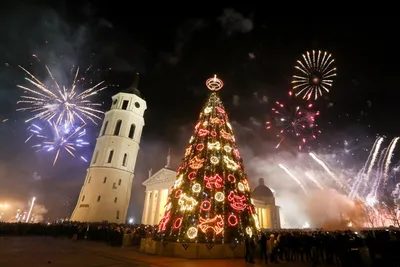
50, 252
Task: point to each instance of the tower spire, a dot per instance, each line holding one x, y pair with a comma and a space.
168, 159
133, 89
136, 81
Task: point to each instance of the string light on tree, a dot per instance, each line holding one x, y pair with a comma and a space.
210, 201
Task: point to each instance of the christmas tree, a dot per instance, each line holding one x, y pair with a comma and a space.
210, 200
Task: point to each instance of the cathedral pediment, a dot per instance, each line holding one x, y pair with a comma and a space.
162, 176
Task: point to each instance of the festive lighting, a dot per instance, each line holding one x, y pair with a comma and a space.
196, 188
237, 202
215, 224
219, 196
232, 220
205, 205
187, 203
192, 232
214, 84
215, 181
178, 223
210, 182
164, 221
196, 163
214, 146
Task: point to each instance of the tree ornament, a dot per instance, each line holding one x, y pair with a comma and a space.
187, 203
232, 220
219, 196
214, 182
203, 132
178, 223
237, 202
199, 147
196, 188
192, 232
215, 224
205, 205
196, 163
214, 160
214, 84
214, 146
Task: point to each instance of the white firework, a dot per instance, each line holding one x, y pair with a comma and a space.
314, 75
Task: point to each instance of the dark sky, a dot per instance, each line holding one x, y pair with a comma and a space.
252, 51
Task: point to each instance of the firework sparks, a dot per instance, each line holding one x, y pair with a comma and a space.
296, 124
62, 138
314, 75
59, 103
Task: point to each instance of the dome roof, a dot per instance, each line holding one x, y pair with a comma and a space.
262, 191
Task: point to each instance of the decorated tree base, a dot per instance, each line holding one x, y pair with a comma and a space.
192, 250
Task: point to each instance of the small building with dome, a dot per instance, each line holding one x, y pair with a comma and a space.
263, 199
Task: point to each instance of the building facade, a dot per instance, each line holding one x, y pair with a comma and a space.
106, 192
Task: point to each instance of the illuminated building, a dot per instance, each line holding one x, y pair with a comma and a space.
106, 192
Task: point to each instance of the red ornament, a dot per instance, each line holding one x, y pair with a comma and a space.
163, 223
220, 110
205, 205
232, 220
215, 224
178, 193
192, 176
196, 163
177, 223
203, 132
237, 202
213, 134
200, 147
215, 181
231, 178
226, 135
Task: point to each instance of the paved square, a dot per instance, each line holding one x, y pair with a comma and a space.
50, 252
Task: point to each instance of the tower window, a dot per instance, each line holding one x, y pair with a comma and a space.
105, 180
98, 198
119, 182
83, 198
124, 160
117, 127
125, 104
110, 156
117, 214
115, 200
132, 131
114, 186
95, 157
104, 128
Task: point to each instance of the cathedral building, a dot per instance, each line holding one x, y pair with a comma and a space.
158, 187
106, 192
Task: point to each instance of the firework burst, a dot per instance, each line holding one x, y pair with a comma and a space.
314, 75
59, 103
296, 124
60, 138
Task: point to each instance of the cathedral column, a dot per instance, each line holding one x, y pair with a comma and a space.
146, 208
261, 219
157, 214
150, 208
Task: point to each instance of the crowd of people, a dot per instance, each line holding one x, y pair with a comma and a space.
340, 248
113, 234
317, 247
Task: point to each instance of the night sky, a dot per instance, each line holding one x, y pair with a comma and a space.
251, 51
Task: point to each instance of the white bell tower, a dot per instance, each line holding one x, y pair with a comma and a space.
106, 193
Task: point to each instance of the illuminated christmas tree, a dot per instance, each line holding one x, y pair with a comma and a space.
210, 200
